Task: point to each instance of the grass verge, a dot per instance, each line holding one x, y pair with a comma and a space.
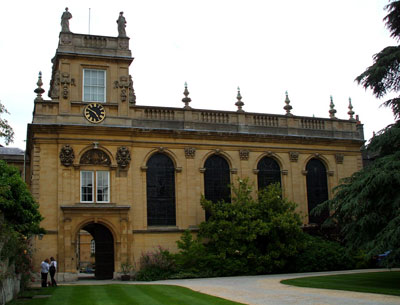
121, 295
372, 282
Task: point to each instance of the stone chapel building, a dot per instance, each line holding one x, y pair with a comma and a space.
132, 175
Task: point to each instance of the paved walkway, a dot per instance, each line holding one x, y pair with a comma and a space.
267, 290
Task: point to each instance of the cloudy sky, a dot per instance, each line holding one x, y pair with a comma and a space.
312, 48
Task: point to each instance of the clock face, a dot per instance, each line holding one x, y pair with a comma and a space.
94, 112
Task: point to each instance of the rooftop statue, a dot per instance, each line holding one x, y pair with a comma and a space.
121, 25
65, 17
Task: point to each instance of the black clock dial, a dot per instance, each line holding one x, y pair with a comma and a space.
95, 113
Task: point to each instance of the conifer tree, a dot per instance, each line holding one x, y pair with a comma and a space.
366, 206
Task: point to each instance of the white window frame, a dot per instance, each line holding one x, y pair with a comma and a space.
84, 86
95, 179
81, 187
107, 187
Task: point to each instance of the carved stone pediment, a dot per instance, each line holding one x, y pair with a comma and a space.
67, 155
95, 157
123, 157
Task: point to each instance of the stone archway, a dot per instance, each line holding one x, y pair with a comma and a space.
104, 250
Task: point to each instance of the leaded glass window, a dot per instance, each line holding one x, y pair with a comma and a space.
269, 172
94, 85
160, 191
217, 180
317, 189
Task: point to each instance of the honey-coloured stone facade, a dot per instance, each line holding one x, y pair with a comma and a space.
62, 143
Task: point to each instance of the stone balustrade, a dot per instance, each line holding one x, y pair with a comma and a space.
151, 117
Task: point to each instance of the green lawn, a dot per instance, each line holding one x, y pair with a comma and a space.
374, 282
121, 295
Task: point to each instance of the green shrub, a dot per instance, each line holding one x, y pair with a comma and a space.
251, 234
156, 265
193, 259
319, 254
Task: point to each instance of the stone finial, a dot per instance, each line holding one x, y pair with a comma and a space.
332, 110
239, 102
351, 112
287, 106
186, 99
121, 25
39, 90
65, 17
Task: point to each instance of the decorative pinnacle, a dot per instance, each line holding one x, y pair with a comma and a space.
186, 99
287, 106
332, 111
239, 102
351, 112
39, 90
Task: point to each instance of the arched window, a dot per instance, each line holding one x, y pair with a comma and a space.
268, 172
217, 180
317, 189
160, 191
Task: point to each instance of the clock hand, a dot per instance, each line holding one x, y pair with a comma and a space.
95, 113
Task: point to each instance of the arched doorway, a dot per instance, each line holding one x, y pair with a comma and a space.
104, 250
317, 189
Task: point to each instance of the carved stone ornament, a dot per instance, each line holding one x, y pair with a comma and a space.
217, 151
66, 39
123, 84
123, 44
132, 96
244, 154
339, 158
67, 155
66, 81
190, 152
293, 156
55, 86
95, 157
123, 156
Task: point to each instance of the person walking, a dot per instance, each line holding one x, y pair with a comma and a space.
53, 269
44, 270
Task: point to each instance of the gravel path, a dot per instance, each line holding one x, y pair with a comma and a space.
267, 290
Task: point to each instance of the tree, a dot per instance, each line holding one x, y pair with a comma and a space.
366, 206
252, 235
20, 210
6, 130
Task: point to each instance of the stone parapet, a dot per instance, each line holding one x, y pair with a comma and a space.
89, 45
151, 117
